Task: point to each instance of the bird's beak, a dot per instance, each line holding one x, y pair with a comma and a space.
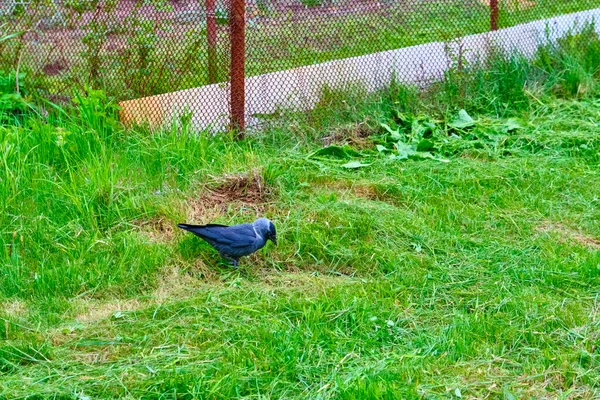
274, 240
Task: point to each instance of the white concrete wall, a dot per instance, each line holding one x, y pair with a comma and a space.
300, 88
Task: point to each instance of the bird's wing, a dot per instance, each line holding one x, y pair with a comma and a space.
237, 236
232, 236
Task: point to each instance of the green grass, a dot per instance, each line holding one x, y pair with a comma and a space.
401, 279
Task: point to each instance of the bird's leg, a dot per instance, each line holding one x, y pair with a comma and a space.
232, 261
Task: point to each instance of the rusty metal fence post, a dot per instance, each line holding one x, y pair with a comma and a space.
237, 23
211, 38
493, 15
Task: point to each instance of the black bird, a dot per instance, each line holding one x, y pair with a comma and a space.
233, 242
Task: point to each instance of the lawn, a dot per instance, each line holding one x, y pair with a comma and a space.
433, 244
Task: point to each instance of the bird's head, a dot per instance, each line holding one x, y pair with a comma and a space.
266, 229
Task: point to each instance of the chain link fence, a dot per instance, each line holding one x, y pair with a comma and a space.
227, 62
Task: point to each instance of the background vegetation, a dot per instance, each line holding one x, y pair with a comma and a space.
137, 48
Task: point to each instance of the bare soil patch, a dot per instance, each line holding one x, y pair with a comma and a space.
104, 309
236, 190
158, 229
570, 234
176, 284
15, 308
364, 190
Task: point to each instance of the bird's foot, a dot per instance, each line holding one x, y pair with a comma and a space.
232, 262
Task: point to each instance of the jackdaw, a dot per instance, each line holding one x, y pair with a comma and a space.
233, 242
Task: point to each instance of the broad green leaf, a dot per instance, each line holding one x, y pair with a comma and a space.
425, 145
405, 119
395, 134
431, 125
335, 151
422, 155
355, 164
417, 129
381, 148
512, 125
508, 395
462, 121
404, 150
422, 128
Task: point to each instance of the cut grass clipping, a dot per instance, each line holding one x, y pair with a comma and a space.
436, 244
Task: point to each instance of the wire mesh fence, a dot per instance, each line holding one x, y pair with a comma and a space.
218, 62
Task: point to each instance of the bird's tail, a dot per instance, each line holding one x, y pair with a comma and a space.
197, 228
189, 227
